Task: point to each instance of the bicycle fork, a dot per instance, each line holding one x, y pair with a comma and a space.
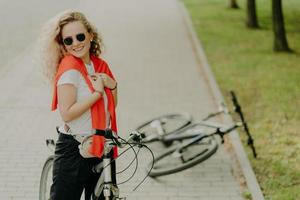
105, 181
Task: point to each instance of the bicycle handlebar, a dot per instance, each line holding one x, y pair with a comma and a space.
221, 130
134, 137
238, 109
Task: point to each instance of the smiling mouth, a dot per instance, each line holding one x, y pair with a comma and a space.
78, 49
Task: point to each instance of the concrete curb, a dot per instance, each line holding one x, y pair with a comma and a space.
242, 158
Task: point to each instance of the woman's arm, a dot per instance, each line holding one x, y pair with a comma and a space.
111, 84
68, 107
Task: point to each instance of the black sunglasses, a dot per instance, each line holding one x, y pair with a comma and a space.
69, 40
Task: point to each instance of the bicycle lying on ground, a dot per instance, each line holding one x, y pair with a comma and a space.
110, 191
195, 142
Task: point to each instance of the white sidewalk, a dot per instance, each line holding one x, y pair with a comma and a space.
149, 49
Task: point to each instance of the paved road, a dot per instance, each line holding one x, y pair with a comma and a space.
20, 23
150, 51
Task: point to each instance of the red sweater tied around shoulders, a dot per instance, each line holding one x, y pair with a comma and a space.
97, 110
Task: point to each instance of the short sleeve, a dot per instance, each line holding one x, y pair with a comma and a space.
69, 77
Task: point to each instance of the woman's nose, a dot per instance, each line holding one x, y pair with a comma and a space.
75, 42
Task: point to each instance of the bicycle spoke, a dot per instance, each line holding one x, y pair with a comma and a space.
180, 157
164, 125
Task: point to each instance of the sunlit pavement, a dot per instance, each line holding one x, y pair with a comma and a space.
149, 49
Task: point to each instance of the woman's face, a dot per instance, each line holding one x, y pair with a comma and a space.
76, 39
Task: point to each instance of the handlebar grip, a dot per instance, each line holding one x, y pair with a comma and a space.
107, 133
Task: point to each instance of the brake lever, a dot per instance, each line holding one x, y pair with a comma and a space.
137, 137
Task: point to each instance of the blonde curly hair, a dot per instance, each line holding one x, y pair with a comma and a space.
51, 47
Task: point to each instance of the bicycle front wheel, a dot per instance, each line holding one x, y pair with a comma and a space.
46, 179
178, 158
158, 127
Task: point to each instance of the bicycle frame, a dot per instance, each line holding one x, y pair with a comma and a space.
164, 137
105, 180
104, 183
175, 135
199, 135
189, 143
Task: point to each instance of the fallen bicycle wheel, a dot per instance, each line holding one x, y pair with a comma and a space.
183, 156
161, 126
46, 179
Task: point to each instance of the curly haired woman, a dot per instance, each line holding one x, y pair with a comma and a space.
85, 92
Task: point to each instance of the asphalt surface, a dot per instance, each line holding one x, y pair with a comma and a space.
150, 51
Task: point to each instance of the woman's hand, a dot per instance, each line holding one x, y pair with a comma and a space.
107, 81
97, 82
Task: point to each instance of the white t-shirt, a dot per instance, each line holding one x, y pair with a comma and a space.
82, 124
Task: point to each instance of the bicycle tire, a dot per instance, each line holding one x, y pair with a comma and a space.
208, 148
170, 122
46, 180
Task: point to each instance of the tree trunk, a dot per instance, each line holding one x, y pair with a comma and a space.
233, 4
251, 14
280, 41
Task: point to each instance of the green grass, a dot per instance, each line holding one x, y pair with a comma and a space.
267, 84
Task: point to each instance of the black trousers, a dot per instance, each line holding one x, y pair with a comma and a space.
72, 173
